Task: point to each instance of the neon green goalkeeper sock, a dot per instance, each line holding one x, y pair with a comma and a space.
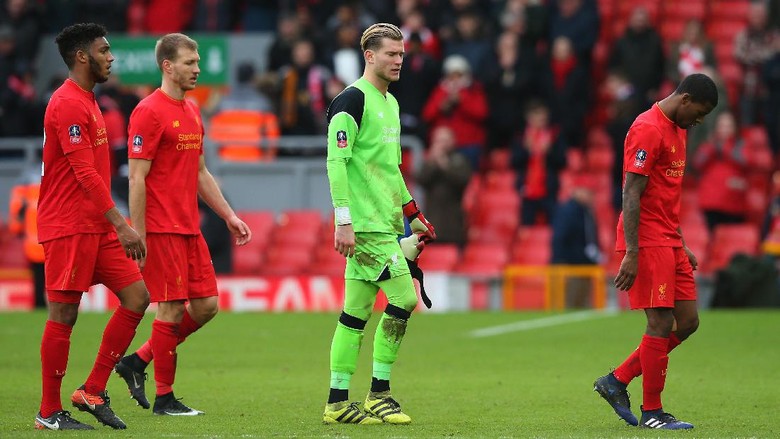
344, 352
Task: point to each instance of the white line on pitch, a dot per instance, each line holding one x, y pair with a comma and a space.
543, 322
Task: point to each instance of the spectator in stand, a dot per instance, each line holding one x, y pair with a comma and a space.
413, 23
577, 20
111, 13
345, 59
459, 102
690, 54
288, 31
303, 92
624, 106
245, 95
528, 19
705, 129
159, 16
753, 47
537, 157
215, 16
575, 242
640, 54
722, 165
349, 13
420, 75
444, 176
770, 76
19, 113
25, 19
259, 15
471, 42
566, 84
511, 80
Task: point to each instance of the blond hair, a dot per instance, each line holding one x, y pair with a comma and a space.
372, 37
168, 46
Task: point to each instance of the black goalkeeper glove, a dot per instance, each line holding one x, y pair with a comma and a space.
411, 247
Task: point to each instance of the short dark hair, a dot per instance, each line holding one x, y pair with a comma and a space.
78, 37
700, 87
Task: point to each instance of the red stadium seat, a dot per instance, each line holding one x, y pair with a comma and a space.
724, 31
286, 261
729, 10
500, 181
311, 217
247, 259
327, 261
486, 260
672, 29
439, 257
730, 239
684, 10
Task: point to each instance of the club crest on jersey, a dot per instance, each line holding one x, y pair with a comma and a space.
138, 143
74, 131
341, 139
641, 156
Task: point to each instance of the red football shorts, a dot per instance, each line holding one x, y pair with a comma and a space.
178, 267
664, 276
74, 263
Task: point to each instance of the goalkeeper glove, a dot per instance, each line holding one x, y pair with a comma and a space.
417, 221
411, 247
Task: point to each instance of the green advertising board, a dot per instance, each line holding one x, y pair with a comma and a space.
135, 63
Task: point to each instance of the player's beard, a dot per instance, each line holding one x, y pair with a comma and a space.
184, 81
96, 71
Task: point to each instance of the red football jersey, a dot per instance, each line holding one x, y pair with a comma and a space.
73, 121
655, 147
168, 132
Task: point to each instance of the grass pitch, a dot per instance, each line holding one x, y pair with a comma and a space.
266, 375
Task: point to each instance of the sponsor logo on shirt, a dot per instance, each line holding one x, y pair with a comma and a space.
138, 143
641, 157
188, 141
341, 139
74, 131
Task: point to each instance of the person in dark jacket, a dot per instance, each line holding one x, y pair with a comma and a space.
444, 176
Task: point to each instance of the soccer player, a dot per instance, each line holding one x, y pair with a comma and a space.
86, 240
167, 174
657, 267
370, 199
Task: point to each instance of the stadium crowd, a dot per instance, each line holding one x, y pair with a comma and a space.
537, 94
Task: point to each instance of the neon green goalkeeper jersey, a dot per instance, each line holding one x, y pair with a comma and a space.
364, 152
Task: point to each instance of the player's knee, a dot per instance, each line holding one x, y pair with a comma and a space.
135, 297
660, 323
687, 326
65, 313
352, 322
407, 302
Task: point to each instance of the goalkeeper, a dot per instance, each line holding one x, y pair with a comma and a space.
370, 200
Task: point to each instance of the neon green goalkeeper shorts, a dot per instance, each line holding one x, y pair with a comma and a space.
374, 252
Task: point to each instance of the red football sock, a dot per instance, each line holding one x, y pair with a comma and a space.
55, 347
187, 326
653, 354
632, 368
145, 352
165, 337
117, 336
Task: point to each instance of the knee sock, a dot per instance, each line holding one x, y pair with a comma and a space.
344, 352
165, 336
654, 358
632, 367
117, 336
55, 347
387, 340
187, 326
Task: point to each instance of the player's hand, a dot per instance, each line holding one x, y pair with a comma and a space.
344, 240
627, 273
691, 257
132, 242
239, 229
418, 223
